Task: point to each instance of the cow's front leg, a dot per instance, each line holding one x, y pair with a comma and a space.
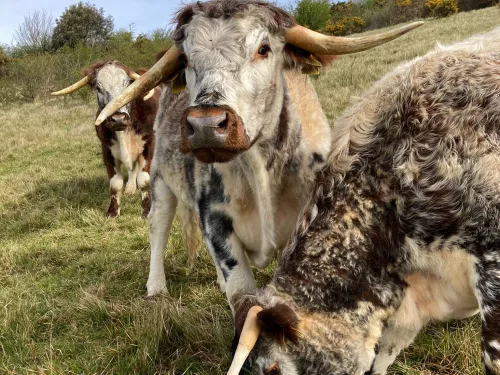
113, 168
228, 254
143, 178
131, 186
115, 186
396, 336
488, 290
164, 204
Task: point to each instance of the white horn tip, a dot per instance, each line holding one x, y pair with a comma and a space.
99, 120
149, 95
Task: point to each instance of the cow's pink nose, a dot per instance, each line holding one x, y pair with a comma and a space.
207, 130
119, 117
119, 121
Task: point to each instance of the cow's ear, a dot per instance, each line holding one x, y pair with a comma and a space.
160, 54
179, 83
141, 71
240, 314
307, 62
281, 322
178, 79
88, 72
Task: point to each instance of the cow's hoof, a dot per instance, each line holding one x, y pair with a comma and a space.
114, 208
156, 288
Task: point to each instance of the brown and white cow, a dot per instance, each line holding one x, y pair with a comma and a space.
250, 131
127, 138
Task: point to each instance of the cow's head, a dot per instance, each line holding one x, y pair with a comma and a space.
108, 79
231, 55
282, 339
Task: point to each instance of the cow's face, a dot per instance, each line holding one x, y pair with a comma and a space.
292, 343
233, 76
108, 82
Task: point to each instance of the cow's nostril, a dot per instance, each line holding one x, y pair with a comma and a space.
223, 124
189, 129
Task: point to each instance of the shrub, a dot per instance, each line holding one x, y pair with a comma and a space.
312, 13
385, 13
33, 77
403, 3
3, 57
345, 26
442, 8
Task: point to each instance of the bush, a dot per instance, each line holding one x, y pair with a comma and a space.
345, 26
312, 13
442, 8
385, 13
34, 77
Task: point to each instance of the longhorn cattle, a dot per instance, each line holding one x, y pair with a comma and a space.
127, 138
403, 227
249, 128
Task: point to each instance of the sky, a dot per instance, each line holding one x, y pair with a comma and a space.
143, 15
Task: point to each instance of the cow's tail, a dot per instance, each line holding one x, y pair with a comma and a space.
191, 231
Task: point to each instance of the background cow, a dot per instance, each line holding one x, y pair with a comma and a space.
404, 227
250, 129
128, 138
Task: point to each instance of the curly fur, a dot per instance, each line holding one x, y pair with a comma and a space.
404, 225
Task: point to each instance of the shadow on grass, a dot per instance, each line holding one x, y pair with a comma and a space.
53, 202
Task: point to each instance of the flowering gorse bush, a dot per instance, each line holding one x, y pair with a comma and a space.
442, 8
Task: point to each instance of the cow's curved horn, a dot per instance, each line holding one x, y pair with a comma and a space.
249, 335
314, 42
134, 76
73, 87
165, 67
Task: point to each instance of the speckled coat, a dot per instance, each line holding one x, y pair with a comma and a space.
404, 227
248, 206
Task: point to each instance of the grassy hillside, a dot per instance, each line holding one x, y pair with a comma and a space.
72, 283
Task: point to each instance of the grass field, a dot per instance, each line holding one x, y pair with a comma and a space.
72, 283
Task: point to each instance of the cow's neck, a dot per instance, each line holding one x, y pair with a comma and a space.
350, 252
281, 165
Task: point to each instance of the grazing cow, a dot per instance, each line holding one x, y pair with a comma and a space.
250, 131
128, 137
403, 227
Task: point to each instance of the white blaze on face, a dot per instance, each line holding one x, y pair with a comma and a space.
224, 68
111, 80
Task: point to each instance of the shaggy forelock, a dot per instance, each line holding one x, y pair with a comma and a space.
273, 18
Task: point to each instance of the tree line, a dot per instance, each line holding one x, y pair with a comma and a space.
49, 54
354, 16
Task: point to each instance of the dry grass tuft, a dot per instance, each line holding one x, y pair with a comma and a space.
73, 282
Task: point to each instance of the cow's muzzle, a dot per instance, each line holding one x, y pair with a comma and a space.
213, 134
118, 121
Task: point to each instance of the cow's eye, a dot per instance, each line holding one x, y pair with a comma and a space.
264, 50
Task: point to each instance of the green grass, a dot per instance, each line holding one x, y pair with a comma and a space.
72, 283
